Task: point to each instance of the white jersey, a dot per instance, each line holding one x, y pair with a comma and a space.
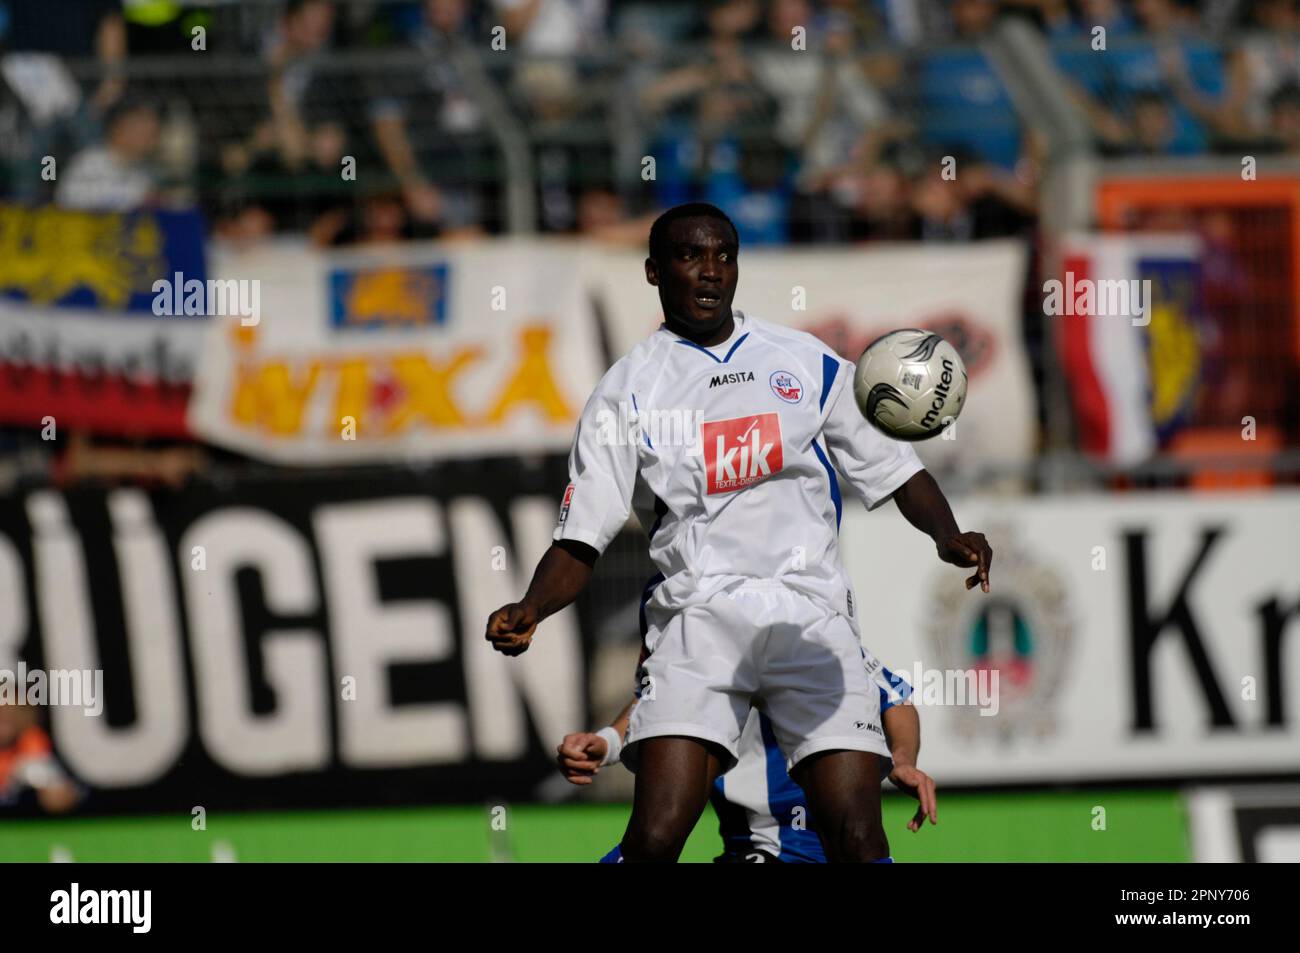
728, 456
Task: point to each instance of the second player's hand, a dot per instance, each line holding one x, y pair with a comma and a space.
969, 549
579, 756
510, 629
914, 782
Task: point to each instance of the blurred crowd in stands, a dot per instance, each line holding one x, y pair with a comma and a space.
810, 121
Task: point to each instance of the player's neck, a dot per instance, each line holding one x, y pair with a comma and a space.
707, 338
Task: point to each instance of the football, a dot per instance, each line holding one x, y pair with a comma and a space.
910, 384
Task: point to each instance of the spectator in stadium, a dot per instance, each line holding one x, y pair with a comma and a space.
1053, 17
881, 204
279, 177
1284, 117
871, 24
380, 219
303, 193
981, 201
297, 98
552, 33
116, 175
699, 109
243, 224
1157, 93
961, 98
28, 765
554, 28
971, 19
1154, 133
1110, 14
76, 30
602, 214
38, 42
1264, 62
826, 105
437, 110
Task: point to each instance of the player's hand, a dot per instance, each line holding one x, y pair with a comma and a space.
969, 549
510, 629
579, 756
914, 782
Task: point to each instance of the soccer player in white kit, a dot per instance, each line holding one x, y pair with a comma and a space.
724, 434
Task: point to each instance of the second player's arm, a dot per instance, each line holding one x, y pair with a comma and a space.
902, 724
581, 754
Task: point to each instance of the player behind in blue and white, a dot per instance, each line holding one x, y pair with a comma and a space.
763, 816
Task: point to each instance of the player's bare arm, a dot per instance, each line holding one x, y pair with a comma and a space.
561, 575
902, 724
582, 754
926, 508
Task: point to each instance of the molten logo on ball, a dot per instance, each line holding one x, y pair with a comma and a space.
910, 384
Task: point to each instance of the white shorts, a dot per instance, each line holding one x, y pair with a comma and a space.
763, 646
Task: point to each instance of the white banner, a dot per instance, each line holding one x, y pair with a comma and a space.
412, 351
1134, 637
971, 294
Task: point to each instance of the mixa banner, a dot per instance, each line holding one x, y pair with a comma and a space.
82, 342
308, 643
971, 294
421, 351
1144, 636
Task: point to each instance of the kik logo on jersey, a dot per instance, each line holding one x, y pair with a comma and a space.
741, 451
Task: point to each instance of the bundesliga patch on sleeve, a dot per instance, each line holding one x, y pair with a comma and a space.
564, 504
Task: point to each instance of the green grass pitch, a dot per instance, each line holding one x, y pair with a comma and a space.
1148, 825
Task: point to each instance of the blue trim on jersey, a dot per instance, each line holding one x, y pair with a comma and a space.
830, 367
720, 360
643, 433
902, 690
783, 796
835, 483
615, 856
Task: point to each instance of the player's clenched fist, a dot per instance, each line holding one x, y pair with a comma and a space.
969, 549
580, 756
510, 629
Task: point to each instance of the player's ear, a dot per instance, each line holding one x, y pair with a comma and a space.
652, 272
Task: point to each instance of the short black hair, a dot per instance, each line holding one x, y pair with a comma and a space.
659, 230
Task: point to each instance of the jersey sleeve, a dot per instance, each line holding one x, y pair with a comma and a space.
894, 689
875, 465
602, 474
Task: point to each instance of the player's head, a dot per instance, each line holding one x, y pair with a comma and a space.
692, 262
